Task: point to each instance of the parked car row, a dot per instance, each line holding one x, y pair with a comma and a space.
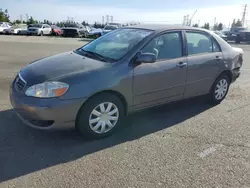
69, 30
236, 34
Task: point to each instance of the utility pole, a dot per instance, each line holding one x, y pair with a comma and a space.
214, 23
243, 19
187, 22
107, 19
27, 17
103, 20
184, 20
111, 18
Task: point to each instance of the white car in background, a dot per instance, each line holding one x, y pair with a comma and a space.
20, 29
4, 25
39, 29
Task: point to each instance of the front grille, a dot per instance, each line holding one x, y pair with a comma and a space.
19, 83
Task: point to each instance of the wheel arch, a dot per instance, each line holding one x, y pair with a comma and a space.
228, 73
113, 92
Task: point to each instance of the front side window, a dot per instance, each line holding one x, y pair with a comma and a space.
166, 46
198, 43
117, 43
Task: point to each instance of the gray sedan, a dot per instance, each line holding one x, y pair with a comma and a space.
129, 69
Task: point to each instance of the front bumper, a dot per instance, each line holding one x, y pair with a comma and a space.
46, 114
33, 32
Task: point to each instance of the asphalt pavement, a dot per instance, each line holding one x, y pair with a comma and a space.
186, 144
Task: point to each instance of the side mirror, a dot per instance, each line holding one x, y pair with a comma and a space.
146, 58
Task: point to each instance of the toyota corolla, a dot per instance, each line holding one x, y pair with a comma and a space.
129, 69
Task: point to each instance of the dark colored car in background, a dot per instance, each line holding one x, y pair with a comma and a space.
239, 34
74, 30
129, 69
219, 33
56, 31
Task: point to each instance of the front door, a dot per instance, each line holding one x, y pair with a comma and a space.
164, 80
204, 60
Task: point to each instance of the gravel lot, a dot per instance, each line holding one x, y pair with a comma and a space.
187, 144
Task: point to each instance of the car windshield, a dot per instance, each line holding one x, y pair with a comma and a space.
110, 27
37, 25
116, 44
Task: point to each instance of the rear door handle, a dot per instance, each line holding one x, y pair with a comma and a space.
181, 64
218, 58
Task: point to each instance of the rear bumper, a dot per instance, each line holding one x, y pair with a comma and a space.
235, 74
46, 114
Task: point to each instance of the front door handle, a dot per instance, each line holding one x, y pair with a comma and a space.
181, 64
218, 58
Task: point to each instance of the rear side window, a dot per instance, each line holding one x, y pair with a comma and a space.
199, 43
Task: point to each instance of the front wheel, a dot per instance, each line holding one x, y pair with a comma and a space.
220, 89
101, 116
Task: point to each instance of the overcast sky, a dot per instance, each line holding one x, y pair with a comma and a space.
144, 11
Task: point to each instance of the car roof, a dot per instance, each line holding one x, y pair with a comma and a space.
160, 27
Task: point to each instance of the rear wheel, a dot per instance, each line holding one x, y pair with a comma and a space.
220, 89
101, 116
237, 39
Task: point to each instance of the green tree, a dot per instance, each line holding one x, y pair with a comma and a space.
233, 24
31, 21
195, 25
238, 23
206, 26
4, 16
220, 26
17, 21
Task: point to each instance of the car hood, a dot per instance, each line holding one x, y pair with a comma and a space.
58, 66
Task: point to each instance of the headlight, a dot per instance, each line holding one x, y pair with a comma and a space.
47, 90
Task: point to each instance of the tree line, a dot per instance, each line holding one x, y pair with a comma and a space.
219, 27
4, 17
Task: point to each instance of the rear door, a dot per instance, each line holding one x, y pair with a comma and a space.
164, 80
204, 60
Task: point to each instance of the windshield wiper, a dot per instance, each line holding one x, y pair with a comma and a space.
99, 56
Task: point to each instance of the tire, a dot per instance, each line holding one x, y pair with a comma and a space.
19, 33
215, 97
86, 113
237, 40
97, 36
